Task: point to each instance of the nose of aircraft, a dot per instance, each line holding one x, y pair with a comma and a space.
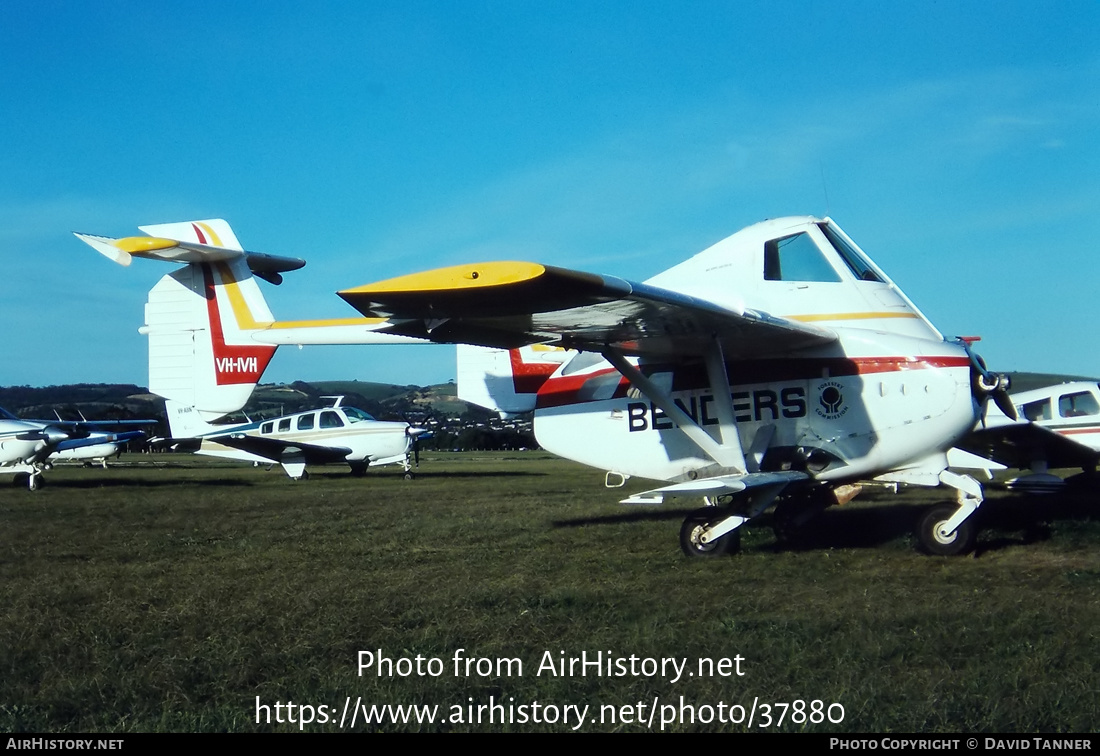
986, 384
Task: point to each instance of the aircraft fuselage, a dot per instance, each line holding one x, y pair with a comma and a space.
843, 413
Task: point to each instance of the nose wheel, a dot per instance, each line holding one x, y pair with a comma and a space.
935, 538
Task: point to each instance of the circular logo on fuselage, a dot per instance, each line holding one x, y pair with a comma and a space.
830, 402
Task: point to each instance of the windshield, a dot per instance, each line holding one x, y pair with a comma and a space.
859, 265
356, 415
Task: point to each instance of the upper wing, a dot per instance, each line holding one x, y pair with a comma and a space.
1019, 444
510, 304
277, 451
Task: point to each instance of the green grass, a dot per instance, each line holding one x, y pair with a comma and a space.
167, 598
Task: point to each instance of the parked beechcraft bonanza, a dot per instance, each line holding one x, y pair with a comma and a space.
324, 436
780, 367
1055, 427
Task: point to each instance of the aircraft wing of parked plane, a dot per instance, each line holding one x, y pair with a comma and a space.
780, 366
26, 445
1056, 427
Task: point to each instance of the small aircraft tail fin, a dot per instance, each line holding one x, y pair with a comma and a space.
200, 351
186, 421
506, 380
200, 319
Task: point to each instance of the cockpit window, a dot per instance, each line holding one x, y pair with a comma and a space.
1037, 410
797, 258
330, 419
356, 415
1078, 405
859, 265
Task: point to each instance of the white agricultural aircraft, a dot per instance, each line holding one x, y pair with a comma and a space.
780, 366
1054, 427
330, 435
27, 445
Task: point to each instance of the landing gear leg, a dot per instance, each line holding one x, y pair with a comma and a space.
950, 530
716, 528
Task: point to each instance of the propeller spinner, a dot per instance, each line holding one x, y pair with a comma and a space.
987, 384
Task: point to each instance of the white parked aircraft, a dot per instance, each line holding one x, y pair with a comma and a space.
95, 453
780, 367
26, 445
329, 435
1055, 427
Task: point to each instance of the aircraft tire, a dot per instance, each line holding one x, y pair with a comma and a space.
21, 479
695, 523
958, 543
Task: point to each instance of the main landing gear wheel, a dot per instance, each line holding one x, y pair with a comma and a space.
789, 532
934, 540
693, 527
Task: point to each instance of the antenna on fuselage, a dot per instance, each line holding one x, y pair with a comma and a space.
825, 189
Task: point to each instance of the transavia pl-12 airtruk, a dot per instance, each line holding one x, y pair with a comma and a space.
779, 367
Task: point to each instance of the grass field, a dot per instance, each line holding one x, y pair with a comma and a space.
173, 597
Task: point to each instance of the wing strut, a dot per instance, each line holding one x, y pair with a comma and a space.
727, 452
720, 389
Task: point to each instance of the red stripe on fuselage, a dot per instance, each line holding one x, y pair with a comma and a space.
528, 377
566, 390
1078, 431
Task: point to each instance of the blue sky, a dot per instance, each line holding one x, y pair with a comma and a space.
957, 143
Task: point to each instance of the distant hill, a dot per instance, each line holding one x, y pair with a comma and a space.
123, 401
97, 401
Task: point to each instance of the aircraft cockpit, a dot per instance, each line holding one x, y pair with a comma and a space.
1076, 401
325, 419
804, 257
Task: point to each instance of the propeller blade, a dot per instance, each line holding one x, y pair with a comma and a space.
1004, 403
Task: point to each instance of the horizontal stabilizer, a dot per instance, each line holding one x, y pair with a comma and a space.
207, 241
